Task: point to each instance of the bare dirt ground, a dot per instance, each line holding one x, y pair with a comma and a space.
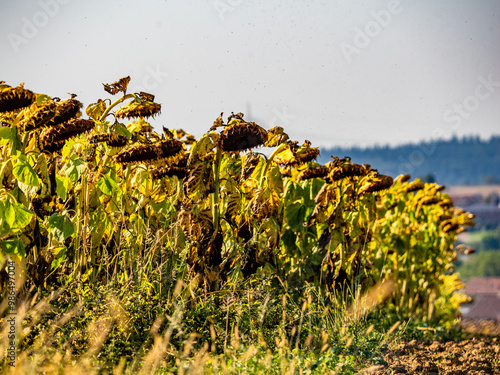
478, 353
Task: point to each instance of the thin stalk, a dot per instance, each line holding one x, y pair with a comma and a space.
114, 104
215, 195
269, 161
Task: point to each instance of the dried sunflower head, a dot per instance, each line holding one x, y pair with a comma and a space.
38, 117
403, 178
137, 153
378, 183
139, 126
242, 136
138, 108
65, 110
169, 149
347, 170
319, 171
160, 172
12, 98
292, 154
111, 139
53, 137
426, 201
414, 186
276, 136
306, 153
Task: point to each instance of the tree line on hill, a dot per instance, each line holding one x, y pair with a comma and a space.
458, 161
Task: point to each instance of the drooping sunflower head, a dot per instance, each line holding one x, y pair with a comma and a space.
377, 183
35, 118
306, 153
65, 111
53, 137
319, 171
291, 154
241, 136
138, 108
169, 171
138, 153
347, 169
12, 98
414, 186
276, 136
171, 149
111, 139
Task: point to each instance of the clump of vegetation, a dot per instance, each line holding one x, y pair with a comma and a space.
138, 251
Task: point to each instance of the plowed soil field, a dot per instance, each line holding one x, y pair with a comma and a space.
477, 353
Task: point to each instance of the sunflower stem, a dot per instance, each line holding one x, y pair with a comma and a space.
269, 161
215, 196
114, 104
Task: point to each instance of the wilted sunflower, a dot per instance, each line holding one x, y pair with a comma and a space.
138, 108
53, 137
306, 153
12, 98
446, 203
347, 170
38, 117
319, 171
65, 110
403, 178
426, 201
242, 136
111, 139
276, 136
293, 154
378, 183
414, 186
158, 173
250, 162
168, 149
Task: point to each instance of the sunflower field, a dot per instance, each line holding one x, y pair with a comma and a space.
208, 233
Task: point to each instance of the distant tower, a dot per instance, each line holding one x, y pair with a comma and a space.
248, 112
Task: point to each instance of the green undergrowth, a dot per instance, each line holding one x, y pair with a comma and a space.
250, 326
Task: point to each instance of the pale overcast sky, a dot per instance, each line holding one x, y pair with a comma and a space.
334, 72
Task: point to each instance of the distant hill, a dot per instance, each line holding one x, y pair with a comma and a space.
465, 161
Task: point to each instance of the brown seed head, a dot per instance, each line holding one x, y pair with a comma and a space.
12, 98
65, 110
138, 108
414, 186
53, 137
39, 117
111, 139
242, 136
